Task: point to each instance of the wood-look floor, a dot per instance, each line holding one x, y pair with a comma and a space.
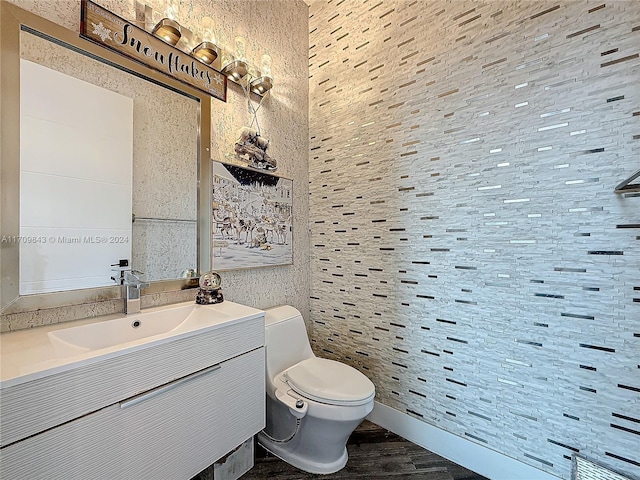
374, 453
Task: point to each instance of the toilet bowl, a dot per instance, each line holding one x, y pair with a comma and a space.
313, 404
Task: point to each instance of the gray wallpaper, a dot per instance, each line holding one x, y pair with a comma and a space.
468, 252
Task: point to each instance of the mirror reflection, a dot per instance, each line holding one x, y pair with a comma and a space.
108, 172
75, 181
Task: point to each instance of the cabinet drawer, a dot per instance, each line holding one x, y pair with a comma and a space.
174, 433
36, 406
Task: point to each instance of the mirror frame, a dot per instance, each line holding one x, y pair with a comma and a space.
14, 20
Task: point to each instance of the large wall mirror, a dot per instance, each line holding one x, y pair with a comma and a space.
101, 161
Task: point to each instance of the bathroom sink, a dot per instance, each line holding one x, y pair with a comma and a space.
121, 330
131, 328
38, 352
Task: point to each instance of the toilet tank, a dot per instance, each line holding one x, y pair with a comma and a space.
286, 339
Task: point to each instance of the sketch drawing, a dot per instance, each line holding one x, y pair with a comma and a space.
252, 218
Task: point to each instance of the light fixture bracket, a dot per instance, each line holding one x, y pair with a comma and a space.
206, 52
261, 85
168, 30
236, 70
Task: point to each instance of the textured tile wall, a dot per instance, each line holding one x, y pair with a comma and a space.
467, 250
278, 28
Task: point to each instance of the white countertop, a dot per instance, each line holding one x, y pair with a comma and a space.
29, 354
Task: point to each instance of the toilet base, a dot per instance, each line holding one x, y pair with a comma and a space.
280, 451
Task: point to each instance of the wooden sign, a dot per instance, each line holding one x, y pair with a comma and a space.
109, 30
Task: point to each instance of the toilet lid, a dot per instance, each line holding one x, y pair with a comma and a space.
328, 381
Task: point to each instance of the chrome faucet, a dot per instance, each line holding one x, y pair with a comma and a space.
131, 286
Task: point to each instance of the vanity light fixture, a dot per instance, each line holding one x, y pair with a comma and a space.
235, 65
233, 62
261, 85
168, 30
206, 52
236, 70
264, 82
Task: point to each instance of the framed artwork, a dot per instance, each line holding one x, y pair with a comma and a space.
252, 218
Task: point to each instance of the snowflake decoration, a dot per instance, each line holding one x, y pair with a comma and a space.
101, 31
218, 79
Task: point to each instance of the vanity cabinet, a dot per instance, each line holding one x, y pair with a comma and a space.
172, 429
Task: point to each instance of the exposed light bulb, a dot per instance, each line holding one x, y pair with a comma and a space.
208, 30
266, 65
241, 49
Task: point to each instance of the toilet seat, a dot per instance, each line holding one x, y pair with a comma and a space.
328, 381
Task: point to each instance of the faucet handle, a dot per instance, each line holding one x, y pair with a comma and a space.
121, 267
122, 264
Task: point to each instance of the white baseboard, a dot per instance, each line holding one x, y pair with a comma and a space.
477, 458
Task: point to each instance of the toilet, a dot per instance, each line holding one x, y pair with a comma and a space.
313, 404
